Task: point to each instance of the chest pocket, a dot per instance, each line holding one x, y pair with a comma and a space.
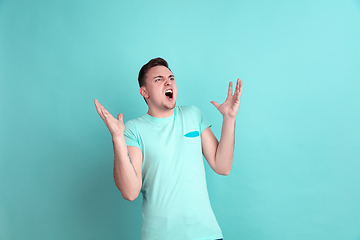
192, 134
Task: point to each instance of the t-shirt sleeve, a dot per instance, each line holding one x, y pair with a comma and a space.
131, 135
203, 122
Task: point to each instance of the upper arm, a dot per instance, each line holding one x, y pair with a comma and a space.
136, 158
209, 144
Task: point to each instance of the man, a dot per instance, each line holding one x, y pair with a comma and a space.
160, 154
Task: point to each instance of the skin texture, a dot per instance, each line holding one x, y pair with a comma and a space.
128, 160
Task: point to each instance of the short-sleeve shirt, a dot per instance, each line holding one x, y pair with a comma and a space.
175, 198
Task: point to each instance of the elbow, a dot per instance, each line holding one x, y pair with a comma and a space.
128, 194
129, 197
224, 172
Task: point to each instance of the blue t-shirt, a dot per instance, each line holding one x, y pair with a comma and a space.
175, 198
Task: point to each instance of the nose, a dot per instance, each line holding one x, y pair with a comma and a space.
168, 82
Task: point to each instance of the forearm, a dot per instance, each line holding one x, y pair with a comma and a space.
125, 176
225, 150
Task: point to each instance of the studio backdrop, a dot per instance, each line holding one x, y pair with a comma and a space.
296, 166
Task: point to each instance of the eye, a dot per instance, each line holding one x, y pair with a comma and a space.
157, 79
172, 78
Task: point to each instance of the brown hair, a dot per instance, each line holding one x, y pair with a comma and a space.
152, 63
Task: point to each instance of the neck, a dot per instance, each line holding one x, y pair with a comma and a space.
160, 113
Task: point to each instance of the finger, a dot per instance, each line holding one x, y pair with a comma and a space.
120, 117
215, 104
99, 109
97, 103
238, 89
105, 112
230, 89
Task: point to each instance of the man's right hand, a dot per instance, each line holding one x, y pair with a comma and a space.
115, 126
127, 160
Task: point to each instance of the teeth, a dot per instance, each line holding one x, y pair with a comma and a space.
168, 91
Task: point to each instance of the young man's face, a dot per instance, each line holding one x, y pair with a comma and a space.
160, 89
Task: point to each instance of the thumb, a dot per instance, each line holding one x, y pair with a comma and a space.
215, 104
120, 117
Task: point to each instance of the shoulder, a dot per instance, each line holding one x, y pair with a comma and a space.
190, 112
133, 124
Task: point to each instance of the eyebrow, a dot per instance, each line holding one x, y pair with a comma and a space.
163, 76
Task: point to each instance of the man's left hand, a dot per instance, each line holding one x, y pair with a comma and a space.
230, 107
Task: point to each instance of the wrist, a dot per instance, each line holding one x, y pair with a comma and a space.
118, 138
230, 119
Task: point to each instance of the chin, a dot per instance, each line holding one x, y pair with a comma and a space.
170, 106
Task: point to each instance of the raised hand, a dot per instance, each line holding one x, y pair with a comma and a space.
230, 107
115, 126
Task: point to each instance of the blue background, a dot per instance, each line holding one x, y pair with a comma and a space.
296, 165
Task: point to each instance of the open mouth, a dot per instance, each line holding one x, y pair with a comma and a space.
169, 94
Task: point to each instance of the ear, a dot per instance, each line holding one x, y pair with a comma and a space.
143, 92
